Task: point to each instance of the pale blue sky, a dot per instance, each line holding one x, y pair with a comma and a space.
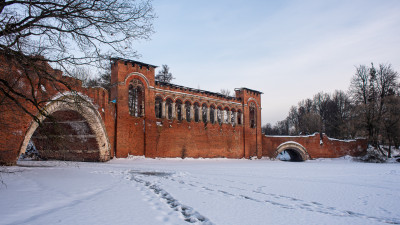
290, 50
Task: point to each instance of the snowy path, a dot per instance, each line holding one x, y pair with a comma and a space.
172, 191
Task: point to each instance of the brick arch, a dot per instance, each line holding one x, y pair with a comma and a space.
293, 146
159, 95
250, 100
198, 102
137, 75
168, 97
187, 100
202, 103
86, 109
178, 98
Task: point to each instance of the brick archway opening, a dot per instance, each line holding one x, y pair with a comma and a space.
291, 151
290, 155
73, 131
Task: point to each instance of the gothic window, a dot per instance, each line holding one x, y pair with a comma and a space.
252, 115
204, 112
178, 109
196, 112
219, 115
212, 111
187, 109
239, 117
168, 105
158, 107
136, 98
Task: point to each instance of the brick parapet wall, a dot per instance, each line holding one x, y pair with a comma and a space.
316, 148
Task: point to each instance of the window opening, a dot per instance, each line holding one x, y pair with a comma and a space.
187, 108
226, 119
212, 111
158, 107
204, 112
233, 117
136, 98
169, 108
239, 117
196, 112
178, 107
219, 115
252, 115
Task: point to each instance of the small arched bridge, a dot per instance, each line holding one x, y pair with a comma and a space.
301, 148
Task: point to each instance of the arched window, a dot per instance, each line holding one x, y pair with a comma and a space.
233, 117
158, 107
168, 105
196, 112
187, 109
252, 115
204, 112
219, 115
178, 109
136, 98
225, 114
212, 111
239, 117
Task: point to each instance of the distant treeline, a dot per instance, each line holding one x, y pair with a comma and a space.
370, 109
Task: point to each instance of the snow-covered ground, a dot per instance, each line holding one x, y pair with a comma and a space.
203, 191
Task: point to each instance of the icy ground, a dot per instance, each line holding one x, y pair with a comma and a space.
204, 191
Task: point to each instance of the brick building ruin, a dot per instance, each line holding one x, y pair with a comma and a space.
158, 119
143, 117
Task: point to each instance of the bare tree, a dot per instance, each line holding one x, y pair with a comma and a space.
64, 34
164, 75
371, 89
104, 80
82, 73
369, 110
225, 92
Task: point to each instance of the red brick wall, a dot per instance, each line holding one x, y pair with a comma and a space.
179, 138
183, 139
154, 137
328, 148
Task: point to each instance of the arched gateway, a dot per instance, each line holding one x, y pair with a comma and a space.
295, 150
81, 123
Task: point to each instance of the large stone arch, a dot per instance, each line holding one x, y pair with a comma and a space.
83, 105
293, 146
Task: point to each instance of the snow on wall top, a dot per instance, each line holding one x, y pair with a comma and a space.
290, 142
311, 135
